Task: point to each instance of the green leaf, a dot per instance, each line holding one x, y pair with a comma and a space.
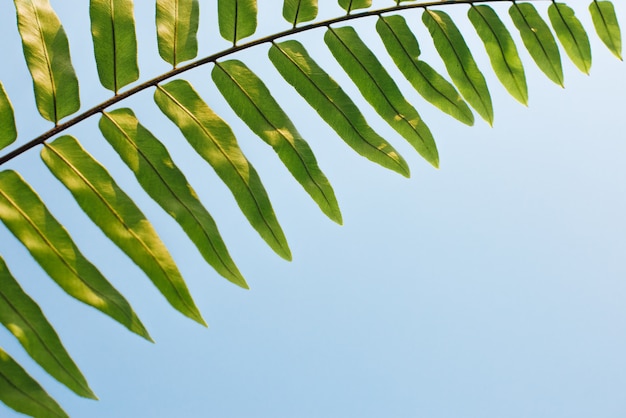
119, 218
350, 5
334, 106
177, 27
252, 101
502, 51
571, 34
299, 11
214, 140
607, 26
47, 54
167, 185
404, 50
379, 89
459, 62
538, 40
8, 131
23, 212
22, 393
237, 19
114, 42
23, 317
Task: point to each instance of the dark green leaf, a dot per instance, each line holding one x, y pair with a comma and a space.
501, 50
571, 34
252, 101
167, 185
47, 54
404, 50
177, 27
237, 19
298, 11
350, 5
22, 393
213, 139
379, 89
538, 40
333, 104
23, 212
607, 26
8, 131
23, 317
114, 42
119, 218
459, 62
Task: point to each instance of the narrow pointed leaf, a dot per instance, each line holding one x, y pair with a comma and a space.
177, 28
404, 50
502, 51
607, 26
167, 185
538, 40
571, 34
119, 218
23, 212
459, 62
299, 11
350, 5
252, 101
24, 319
8, 131
237, 19
19, 391
47, 54
334, 106
114, 42
379, 89
214, 140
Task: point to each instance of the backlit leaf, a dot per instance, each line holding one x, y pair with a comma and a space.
23, 212
538, 40
252, 101
501, 50
298, 11
167, 185
379, 89
114, 42
24, 319
459, 62
237, 19
8, 131
404, 50
47, 54
177, 27
607, 26
349, 5
22, 393
334, 106
214, 140
119, 218
571, 34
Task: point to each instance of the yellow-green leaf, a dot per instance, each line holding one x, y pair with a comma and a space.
25, 215
459, 62
252, 101
8, 131
119, 218
607, 26
114, 42
298, 11
379, 89
334, 106
237, 19
166, 184
24, 319
19, 391
214, 140
571, 34
47, 54
350, 5
177, 27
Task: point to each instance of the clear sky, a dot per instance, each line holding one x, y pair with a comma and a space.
492, 287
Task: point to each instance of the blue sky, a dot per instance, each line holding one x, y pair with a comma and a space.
492, 287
